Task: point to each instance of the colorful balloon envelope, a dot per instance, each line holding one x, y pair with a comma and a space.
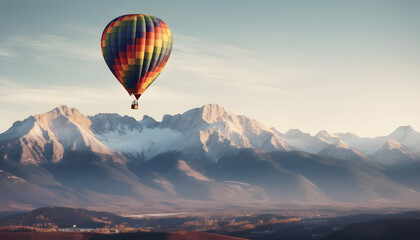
136, 47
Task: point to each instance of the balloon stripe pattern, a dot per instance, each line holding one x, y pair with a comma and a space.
136, 47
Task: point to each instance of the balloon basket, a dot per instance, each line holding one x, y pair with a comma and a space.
135, 105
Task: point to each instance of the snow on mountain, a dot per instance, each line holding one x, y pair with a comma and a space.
304, 141
28, 143
329, 138
407, 136
238, 129
401, 133
403, 143
148, 142
211, 129
365, 145
103, 123
322, 143
295, 133
404, 135
343, 151
45, 137
127, 135
72, 129
250, 161
393, 152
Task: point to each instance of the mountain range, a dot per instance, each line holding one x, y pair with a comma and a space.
206, 157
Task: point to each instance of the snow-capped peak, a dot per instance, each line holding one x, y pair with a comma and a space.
212, 113
71, 128
311, 144
210, 128
44, 137
407, 128
296, 133
48, 118
240, 130
330, 138
199, 118
394, 145
325, 134
112, 122
401, 132
407, 136
393, 152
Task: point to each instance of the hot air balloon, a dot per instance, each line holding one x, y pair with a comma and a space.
136, 47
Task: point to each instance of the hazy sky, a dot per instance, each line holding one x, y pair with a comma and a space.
334, 65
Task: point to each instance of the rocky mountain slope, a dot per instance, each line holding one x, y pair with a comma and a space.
205, 156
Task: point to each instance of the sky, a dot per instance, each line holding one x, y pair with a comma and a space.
340, 66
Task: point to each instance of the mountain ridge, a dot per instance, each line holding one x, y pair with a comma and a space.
207, 154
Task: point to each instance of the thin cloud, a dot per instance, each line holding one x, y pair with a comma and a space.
225, 64
21, 94
7, 53
50, 46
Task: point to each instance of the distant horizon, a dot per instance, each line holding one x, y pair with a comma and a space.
160, 119
310, 65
